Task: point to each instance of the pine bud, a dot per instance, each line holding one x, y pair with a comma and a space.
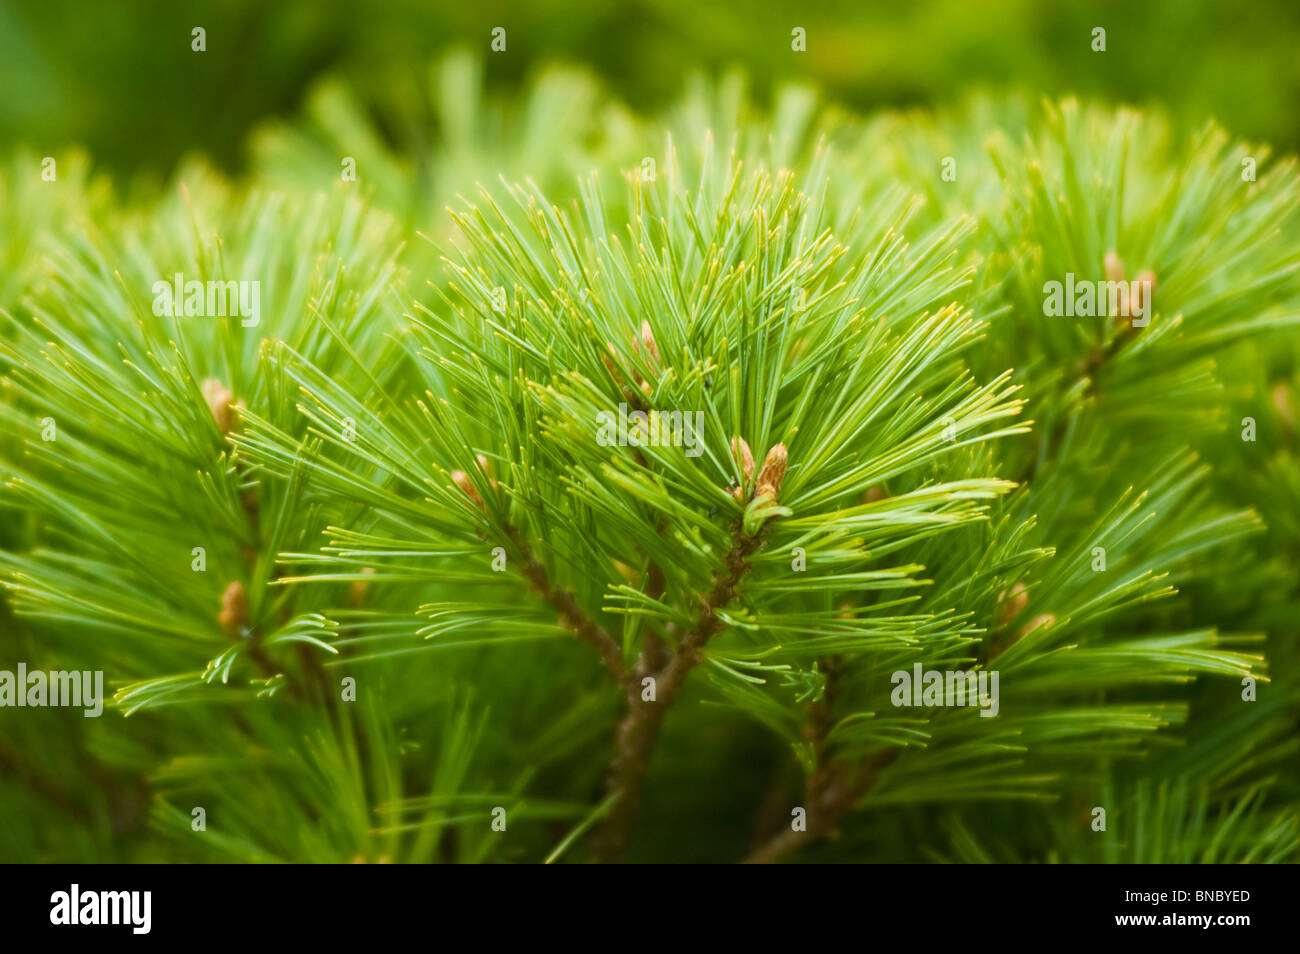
1038, 622
461, 480
1114, 268
357, 591
1282, 403
651, 346
744, 459
220, 404
1011, 605
773, 472
233, 617
874, 493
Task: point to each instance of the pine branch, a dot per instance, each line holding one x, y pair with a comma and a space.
812, 298
831, 796
574, 617
639, 730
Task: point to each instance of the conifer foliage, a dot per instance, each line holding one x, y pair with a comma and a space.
619, 517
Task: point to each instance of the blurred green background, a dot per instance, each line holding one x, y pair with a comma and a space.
120, 78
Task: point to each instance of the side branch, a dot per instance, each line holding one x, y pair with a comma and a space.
833, 794
572, 616
639, 730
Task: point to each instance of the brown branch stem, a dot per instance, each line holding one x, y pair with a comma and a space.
831, 792
639, 731
831, 796
572, 616
1088, 368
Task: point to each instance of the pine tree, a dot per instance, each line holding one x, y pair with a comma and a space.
596, 522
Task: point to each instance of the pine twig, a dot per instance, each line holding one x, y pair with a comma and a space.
1098, 357
833, 796
830, 792
639, 731
573, 617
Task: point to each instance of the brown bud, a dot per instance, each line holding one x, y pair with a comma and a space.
221, 404
772, 472
233, 617
1282, 403
651, 346
461, 480
485, 465
357, 591
874, 493
1038, 622
744, 458
1011, 605
1114, 268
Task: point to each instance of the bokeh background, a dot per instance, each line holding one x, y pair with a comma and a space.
119, 78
